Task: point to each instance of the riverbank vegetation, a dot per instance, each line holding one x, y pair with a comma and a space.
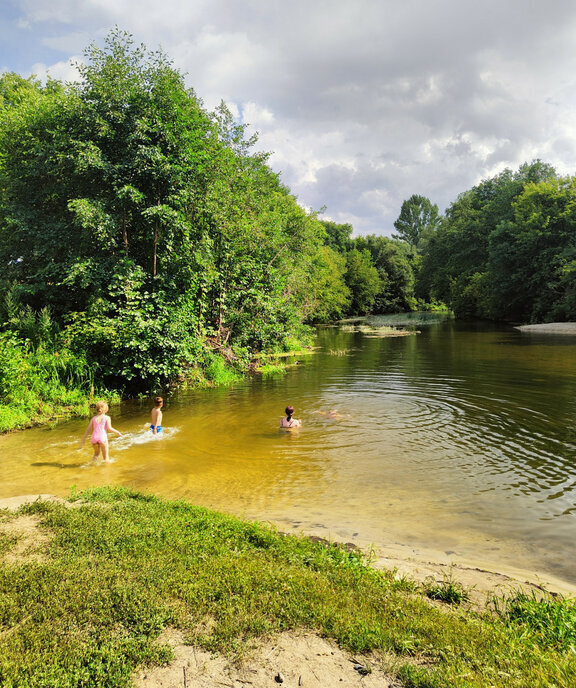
86, 603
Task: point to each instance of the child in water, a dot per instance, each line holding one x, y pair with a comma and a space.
101, 425
290, 422
156, 416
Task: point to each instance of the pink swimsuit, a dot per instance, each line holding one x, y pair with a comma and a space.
99, 429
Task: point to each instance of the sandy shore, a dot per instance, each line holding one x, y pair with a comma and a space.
300, 658
479, 579
549, 328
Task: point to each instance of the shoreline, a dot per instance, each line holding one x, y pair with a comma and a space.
568, 328
480, 578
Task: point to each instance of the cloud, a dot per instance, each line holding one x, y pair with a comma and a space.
60, 71
363, 103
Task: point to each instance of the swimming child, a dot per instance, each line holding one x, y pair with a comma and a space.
290, 422
332, 413
101, 425
156, 416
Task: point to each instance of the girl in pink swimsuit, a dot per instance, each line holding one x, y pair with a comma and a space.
101, 425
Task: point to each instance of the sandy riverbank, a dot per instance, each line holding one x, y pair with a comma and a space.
299, 659
549, 328
481, 580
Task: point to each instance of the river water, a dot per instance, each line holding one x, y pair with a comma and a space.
457, 443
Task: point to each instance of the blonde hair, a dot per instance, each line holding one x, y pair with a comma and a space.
101, 406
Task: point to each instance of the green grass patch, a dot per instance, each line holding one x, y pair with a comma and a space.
121, 566
447, 590
551, 620
39, 385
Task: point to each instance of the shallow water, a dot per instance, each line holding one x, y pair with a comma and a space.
459, 440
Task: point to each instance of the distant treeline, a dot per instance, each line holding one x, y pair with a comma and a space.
144, 243
505, 250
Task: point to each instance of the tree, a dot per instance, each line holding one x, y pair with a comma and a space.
455, 261
394, 262
532, 261
146, 223
417, 220
362, 280
328, 294
338, 236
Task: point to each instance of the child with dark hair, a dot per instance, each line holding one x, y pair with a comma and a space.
290, 422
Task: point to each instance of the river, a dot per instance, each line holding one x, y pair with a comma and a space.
456, 443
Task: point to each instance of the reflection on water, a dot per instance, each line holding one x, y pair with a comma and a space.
460, 439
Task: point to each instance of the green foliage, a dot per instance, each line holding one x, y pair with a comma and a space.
506, 249
39, 385
363, 281
447, 590
551, 621
395, 263
328, 294
418, 219
532, 255
338, 236
146, 226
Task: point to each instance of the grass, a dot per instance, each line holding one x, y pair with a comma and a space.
121, 566
447, 590
339, 352
549, 618
409, 320
369, 329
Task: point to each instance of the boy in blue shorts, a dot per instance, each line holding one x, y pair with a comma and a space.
156, 416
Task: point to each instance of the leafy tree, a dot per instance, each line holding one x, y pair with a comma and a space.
362, 280
146, 223
418, 218
338, 236
329, 296
458, 252
394, 262
533, 256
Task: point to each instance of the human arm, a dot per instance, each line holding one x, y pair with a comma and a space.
86, 433
110, 428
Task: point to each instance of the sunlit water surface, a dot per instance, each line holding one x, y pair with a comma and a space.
459, 440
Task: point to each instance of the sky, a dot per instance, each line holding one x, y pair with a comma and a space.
361, 103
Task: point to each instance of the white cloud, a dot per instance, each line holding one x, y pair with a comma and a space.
61, 71
362, 103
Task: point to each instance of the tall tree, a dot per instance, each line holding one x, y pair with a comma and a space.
418, 218
147, 223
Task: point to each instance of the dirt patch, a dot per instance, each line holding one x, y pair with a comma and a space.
29, 539
289, 660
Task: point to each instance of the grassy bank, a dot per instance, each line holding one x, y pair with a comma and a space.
40, 385
87, 606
